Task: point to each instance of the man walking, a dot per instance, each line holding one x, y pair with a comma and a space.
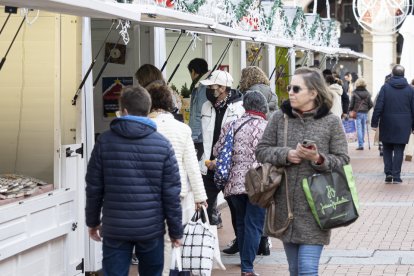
394, 112
198, 69
224, 104
133, 177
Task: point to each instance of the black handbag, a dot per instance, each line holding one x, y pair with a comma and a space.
332, 197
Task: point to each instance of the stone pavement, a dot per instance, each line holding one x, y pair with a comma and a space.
380, 242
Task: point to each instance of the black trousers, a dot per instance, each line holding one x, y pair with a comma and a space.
393, 158
212, 192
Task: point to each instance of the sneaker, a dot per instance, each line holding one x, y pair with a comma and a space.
359, 148
134, 260
397, 181
388, 179
233, 247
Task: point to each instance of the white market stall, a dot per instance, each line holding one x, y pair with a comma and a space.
46, 232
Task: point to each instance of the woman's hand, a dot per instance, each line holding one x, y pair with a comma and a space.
199, 204
308, 153
293, 157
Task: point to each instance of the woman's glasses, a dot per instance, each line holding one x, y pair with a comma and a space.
295, 88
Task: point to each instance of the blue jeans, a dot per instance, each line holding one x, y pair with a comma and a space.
117, 257
393, 157
303, 259
361, 122
250, 221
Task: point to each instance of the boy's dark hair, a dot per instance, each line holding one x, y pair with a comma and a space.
348, 74
199, 65
136, 100
161, 98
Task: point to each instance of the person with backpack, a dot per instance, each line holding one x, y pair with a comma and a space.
247, 131
361, 103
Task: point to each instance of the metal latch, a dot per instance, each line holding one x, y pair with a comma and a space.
81, 266
74, 226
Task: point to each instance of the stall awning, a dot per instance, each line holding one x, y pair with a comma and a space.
88, 8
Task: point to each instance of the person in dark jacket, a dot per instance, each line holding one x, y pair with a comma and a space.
394, 113
361, 103
133, 178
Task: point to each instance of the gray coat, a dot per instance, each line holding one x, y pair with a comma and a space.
326, 130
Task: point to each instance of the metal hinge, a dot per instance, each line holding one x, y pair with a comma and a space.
74, 226
81, 265
80, 150
69, 151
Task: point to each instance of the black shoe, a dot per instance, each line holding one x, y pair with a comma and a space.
233, 247
397, 181
264, 248
388, 179
359, 148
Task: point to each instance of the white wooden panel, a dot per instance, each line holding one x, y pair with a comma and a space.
39, 221
43, 259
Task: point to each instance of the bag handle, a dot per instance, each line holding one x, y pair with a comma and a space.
272, 209
176, 259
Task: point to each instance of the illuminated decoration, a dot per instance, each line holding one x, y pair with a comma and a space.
381, 16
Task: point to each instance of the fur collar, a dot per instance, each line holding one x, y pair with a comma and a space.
286, 108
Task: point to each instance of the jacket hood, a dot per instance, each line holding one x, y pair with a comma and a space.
133, 127
362, 93
236, 96
288, 110
398, 82
336, 88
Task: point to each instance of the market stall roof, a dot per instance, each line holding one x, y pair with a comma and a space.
88, 8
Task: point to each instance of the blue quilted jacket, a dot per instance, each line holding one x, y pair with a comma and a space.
133, 178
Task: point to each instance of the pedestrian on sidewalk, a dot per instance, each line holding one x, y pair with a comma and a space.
133, 189
198, 69
361, 103
308, 117
193, 194
250, 218
254, 79
394, 113
223, 105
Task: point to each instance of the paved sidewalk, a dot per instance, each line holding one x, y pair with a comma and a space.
380, 242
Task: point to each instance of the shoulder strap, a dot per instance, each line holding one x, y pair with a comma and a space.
245, 122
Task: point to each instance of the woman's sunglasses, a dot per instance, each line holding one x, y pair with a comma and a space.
295, 88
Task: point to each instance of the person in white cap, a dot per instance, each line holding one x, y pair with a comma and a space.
222, 106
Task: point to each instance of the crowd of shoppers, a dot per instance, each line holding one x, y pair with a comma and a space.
139, 202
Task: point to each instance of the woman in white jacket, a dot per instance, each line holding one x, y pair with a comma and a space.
179, 134
336, 91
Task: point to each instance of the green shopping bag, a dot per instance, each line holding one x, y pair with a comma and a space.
332, 197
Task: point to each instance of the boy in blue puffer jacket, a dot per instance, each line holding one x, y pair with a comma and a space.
133, 178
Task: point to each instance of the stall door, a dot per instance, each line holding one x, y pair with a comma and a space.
72, 178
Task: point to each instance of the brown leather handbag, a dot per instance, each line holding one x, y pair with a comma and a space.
261, 184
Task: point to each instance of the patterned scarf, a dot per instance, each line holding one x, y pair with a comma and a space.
223, 102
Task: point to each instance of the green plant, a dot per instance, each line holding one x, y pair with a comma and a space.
185, 91
173, 87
